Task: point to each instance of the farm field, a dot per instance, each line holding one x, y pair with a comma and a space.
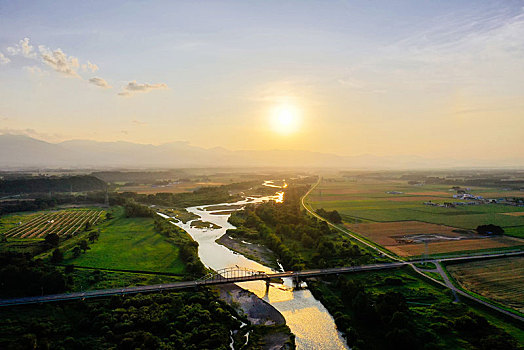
175, 188
62, 222
501, 280
406, 238
369, 201
130, 244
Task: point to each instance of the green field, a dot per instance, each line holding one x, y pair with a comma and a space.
369, 201
130, 244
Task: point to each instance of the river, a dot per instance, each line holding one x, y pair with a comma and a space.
308, 319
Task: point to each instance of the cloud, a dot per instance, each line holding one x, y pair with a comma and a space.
90, 66
59, 61
99, 82
22, 48
133, 87
35, 70
138, 122
3, 59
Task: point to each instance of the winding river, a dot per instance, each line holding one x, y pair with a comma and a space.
308, 319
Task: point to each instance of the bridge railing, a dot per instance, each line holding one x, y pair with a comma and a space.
232, 273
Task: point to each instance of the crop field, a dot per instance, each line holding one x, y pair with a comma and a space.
501, 280
394, 200
406, 238
62, 222
175, 188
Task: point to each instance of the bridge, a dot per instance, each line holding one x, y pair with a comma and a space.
224, 276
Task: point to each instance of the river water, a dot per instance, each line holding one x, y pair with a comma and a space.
308, 319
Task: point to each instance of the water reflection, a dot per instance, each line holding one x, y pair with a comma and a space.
307, 318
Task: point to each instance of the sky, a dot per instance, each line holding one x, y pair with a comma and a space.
426, 78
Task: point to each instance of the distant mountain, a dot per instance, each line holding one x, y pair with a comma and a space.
18, 151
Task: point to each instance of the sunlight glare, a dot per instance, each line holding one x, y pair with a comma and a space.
285, 119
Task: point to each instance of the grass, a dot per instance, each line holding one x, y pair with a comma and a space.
434, 275
132, 244
204, 224
517, 231
426, 265
83, 279
181, 214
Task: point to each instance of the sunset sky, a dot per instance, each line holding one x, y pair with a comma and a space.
436, 79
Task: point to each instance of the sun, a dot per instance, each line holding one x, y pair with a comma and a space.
285, 119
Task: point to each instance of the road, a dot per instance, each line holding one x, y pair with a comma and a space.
192, 284
294, 274
448, 283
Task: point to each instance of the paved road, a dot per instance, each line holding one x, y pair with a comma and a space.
191, 284
448, 283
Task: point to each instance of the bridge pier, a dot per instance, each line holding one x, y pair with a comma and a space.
296, 282
267, 286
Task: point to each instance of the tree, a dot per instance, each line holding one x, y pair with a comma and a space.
490, 230
57, 256
77, 251
93, 236
87, 226
52, 239
83, 245
335, 217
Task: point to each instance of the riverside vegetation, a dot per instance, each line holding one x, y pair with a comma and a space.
196, 319
411, 313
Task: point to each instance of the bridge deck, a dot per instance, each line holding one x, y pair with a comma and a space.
191, 284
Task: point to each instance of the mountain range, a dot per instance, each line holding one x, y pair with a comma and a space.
19, 152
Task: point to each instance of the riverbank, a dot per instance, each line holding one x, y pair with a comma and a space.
308, 320
253, 251
269, 330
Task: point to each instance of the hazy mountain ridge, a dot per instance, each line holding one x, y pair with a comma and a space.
17, 151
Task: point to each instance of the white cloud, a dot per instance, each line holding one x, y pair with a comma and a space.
23, 48
133, 87
90, 66
59, 61
99, 82
3, 59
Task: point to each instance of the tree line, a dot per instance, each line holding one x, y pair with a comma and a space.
79, 183
188, 248
179, 320
299, 240
383, 318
